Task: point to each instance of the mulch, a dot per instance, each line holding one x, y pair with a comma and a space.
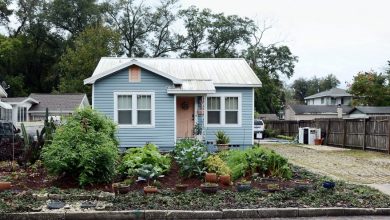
24, 179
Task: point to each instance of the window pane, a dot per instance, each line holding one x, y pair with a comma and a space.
214, 103
124, 117
124, 101
231, 103
213, 117
144, 117
231, 117
144, 102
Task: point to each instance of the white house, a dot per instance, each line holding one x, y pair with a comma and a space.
333, 96
5, 109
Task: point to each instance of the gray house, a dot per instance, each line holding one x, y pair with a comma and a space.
368, 111
333, 96
161, 100
5, 109
33, 108
310, 112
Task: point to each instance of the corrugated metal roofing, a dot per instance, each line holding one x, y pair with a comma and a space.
219, 71
198, 86
2, 92
318, 109
335, 92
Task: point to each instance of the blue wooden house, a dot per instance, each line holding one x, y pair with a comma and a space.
161, 100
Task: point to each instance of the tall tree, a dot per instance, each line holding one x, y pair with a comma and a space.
78, 62
5, 11
133, 21
305, 87
164, 40
370, 88
196, 23
73, 15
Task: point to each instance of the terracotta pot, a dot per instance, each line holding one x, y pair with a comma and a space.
224, 180
211, 178
181, 187
5, 185
317, 141
222, 147
150, 189
209, 188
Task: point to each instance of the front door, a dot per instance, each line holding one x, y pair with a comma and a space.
185, 107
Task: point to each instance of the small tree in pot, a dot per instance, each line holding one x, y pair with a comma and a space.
222, 140
149, 172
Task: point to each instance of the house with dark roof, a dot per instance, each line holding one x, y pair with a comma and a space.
5, 109
369, 111
333, 96
310, 112
33, 107
161, 100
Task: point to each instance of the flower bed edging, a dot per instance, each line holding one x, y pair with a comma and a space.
185, 214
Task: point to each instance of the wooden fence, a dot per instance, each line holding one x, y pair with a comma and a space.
372, 133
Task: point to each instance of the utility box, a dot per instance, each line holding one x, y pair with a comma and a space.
307, 135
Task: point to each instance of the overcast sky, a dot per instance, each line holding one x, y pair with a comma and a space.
341, 37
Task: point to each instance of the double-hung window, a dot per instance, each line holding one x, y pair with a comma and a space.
134, 109
22, 114
214, 110
224, 109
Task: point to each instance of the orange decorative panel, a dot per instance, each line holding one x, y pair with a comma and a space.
134, 74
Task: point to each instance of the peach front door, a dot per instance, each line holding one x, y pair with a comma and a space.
184, 116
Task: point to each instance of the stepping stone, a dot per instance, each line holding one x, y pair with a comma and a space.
55, 205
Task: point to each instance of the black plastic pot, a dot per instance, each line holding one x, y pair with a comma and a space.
243, 187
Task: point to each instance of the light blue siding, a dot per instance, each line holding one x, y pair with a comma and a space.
163, 132
243, 135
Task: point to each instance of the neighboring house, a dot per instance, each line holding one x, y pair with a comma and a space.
268, 117
33, 107
369, 111
333, 96
310, 112
5, 109
160, 100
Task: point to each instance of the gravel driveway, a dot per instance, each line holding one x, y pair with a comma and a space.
354, 166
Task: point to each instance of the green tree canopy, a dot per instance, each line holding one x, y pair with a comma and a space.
370, 88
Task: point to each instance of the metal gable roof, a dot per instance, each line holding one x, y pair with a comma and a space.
194, 86
335, 92
57, 102
222, 72
2, 92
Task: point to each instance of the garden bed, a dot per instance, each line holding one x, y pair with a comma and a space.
22, 199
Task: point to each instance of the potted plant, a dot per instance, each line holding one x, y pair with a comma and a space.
224, 175
211, 177
209, 188
148, 172
243, 186
120, 188
181, 187
222, 141
302, 185
5, 185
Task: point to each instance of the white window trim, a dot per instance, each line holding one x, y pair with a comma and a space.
17, 113
222, 95
134, 111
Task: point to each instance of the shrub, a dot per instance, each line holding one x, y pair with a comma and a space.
256, 160
236, 161
222, 138
84, 147
149, 154
216, 165
190, 156
270, 132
